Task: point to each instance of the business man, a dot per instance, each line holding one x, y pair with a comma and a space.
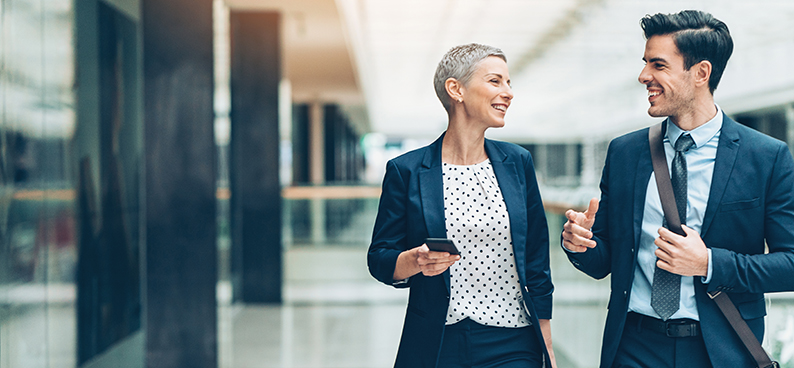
738, 186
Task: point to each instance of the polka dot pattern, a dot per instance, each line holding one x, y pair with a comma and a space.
484, 283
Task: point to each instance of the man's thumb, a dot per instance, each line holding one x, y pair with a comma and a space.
592, 209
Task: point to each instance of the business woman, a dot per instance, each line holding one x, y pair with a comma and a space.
490, 306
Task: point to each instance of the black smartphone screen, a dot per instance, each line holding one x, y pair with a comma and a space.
441, 245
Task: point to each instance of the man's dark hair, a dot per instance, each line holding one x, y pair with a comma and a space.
698, 35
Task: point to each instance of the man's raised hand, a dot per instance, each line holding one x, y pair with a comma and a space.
576, 234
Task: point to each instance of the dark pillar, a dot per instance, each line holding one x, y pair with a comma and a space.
331, 136
300, 144
254, 153
181, 250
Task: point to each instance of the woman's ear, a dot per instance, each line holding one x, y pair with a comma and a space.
454, 89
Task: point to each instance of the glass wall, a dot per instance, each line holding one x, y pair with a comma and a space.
107, 149
70, 167
38, 249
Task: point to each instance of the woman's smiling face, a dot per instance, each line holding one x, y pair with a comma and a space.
487, 95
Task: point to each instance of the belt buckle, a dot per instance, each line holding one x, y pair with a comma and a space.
673, 329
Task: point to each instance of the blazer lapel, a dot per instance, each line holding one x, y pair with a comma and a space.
727, 148
515, 200
431, 192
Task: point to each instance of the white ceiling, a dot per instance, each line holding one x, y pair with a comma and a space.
316, 58
574, 63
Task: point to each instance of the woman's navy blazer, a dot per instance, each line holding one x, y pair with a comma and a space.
412, 209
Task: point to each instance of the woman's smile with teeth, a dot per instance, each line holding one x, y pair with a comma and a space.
501, 108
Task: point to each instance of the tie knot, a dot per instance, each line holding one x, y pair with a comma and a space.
684, 143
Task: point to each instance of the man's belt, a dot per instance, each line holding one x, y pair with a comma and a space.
670, 328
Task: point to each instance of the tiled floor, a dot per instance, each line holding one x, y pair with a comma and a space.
336, 316
350, 336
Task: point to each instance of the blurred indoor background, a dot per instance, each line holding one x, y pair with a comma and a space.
193, 183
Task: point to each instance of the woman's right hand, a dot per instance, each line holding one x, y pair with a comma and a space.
422, 259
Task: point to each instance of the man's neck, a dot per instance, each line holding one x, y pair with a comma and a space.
701, 114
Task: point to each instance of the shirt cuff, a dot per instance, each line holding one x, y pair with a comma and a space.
405, 281
569, 251
707, 279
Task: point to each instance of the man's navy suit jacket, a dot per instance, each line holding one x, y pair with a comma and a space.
412, 209
751, 202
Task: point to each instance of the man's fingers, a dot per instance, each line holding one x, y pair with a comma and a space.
572, 229
592, 209
573, 216
663, 249
672, 237
664, 265
578, 240
573, 247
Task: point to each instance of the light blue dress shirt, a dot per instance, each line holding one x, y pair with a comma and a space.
700, 168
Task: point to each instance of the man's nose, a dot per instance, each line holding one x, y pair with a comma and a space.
644, 76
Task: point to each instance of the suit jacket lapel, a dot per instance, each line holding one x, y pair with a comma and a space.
431, 192
515, 200
727, 148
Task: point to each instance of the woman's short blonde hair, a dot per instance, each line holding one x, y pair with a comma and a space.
459, 63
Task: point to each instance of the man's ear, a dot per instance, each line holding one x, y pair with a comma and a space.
702, 72
454, 89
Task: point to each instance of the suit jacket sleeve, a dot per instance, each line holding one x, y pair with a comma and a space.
762, 273
388, 236
597, 262
538, 274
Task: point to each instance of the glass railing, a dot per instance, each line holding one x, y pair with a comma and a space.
323, 216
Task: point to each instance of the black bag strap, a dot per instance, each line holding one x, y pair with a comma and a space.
722, 300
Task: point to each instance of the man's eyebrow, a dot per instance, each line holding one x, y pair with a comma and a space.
656, 60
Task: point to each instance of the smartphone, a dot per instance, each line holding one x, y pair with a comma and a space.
441, 245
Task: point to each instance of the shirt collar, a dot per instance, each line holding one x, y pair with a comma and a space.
701, 135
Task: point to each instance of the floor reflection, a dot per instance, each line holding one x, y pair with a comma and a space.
334, 316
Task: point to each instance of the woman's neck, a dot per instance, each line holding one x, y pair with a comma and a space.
463, 147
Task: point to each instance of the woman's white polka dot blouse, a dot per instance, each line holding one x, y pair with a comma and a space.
484, 283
